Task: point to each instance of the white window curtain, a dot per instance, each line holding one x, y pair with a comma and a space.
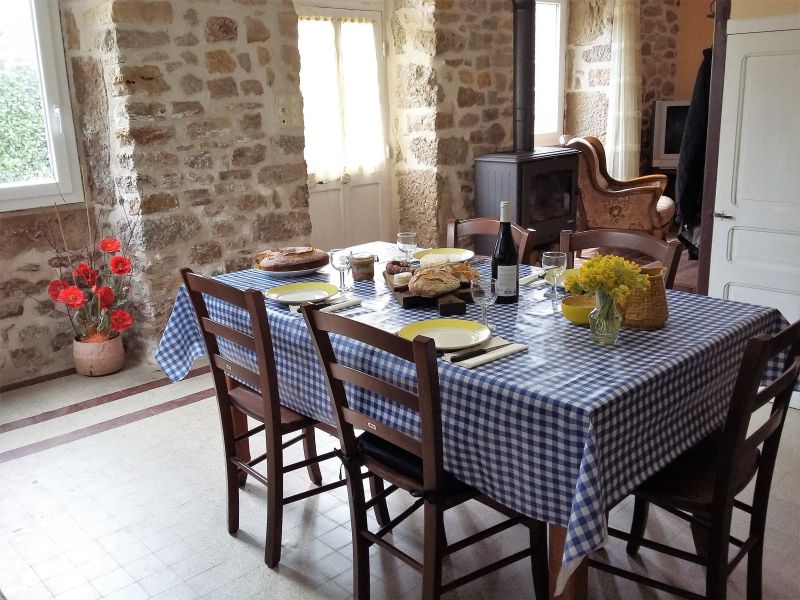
341, 97
624, 103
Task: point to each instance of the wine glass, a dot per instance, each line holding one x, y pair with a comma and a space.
554, 264
484, 293
340, 260
407, 243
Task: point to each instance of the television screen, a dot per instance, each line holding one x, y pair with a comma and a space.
676, 123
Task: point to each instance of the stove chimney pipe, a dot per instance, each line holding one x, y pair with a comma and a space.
524, 38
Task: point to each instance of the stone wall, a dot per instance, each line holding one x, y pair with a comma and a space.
174, 104
589, 62
451, 99
588, 67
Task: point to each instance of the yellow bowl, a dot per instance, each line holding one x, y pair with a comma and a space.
577, 308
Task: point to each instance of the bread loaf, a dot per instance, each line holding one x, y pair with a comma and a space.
432, 283
463, 272
293, 258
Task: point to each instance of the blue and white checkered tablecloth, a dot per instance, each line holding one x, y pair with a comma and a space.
561, 432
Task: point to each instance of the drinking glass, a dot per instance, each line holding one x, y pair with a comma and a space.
340, 260
407, 242
554, 264
484, 293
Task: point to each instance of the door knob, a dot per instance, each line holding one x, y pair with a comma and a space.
345, 178
722, 215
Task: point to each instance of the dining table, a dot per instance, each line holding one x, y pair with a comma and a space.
561, 432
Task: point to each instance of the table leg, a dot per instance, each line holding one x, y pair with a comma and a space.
577, 587
239, 426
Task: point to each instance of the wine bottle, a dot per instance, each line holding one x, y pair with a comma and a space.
505, 266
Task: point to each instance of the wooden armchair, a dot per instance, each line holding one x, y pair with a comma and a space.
607, 203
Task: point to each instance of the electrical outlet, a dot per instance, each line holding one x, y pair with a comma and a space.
290, 110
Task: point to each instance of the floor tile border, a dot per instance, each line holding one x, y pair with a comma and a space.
84, 432
91, 403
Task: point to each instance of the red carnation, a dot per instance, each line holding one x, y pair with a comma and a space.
72, 296
55, 288
105, 296
84, 270
119, 265
109, 244
120, 319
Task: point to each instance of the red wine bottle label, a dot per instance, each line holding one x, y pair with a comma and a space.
507, 277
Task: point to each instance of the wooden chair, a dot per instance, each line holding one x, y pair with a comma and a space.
668, 254
405, 462
237, 388
701, 485
607, 203
523, 238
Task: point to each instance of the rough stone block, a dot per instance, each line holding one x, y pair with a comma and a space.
205, 252
276, 227
220, 61
155, 203
209, 128
452, 151
222, 88
249, 155
147, 79
255, 30
289, 144
191, 84
163, 231
187, 108
138, 38
282, 174
138, 11
252, 87
587, 113
146, 134
221, 29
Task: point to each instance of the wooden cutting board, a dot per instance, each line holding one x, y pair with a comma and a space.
454, 303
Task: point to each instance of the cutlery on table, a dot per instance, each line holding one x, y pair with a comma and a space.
479, 352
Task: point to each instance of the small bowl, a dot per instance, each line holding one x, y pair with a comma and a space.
577, 308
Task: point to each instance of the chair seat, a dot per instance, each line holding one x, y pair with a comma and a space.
688, 483
250, 403
665, 207
405, 463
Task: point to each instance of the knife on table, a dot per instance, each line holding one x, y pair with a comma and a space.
480, 352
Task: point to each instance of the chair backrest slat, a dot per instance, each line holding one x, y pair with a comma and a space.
260, 343
668, 253
394, 436
233, 335
523, 238
375, 385
738, 445
238, 372
421, 352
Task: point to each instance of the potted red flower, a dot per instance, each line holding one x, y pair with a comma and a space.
94, 292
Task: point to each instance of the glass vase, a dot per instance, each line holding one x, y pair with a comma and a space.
605, 320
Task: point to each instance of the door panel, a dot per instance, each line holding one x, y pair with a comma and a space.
756, 244
362, 213
325, 206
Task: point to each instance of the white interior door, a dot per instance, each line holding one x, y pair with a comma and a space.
349, 196
755, 256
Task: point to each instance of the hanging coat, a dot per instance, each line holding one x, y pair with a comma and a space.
692, 158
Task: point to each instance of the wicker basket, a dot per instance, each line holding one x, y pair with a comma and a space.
647, 309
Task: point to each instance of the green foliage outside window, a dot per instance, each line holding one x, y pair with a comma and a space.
24, 155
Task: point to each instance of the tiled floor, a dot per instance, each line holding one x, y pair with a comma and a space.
93, 505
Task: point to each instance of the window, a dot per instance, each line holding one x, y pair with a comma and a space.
551, 39
340, 83
38, 155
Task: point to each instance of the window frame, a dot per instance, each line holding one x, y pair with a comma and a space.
551, 137
67, 186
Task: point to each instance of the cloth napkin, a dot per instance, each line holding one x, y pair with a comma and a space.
471, 363
536, 273
340, 306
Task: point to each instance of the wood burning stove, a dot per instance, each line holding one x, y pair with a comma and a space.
541, 183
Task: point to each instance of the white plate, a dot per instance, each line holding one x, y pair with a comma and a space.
454, 255
448, 334
297, 293
287, 274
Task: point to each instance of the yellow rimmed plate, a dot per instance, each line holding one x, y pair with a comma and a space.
454, 255
448, 334
297, 293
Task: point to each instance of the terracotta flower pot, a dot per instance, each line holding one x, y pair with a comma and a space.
98, 358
